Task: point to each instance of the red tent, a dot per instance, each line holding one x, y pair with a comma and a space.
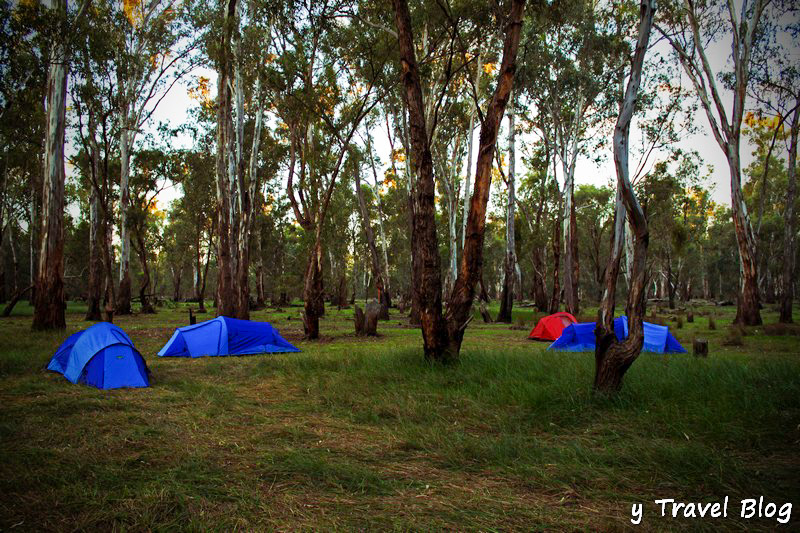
549, 328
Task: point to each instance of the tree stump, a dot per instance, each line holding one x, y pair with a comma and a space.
689, 316
192, 318
371, 321
700, 348
359, 320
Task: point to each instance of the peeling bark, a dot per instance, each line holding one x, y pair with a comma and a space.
49, 303
225, 292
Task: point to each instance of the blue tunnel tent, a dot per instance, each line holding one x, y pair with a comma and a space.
102, 356
580, 337
225, 336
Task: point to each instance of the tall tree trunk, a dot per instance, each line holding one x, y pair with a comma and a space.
468, 173
614, 357
94, 290
3, 226
226, 304
375, 263
247, 192
539, 289
414, 316
727, 133
261, 301
789, 222
387, 292
202, 294
109, 294
198, 264
748, 302
605, 321
147, 307
671, 287
451, 192
442, 336
381, 274
539, 271
49, 301
34, 229
14, 261
2, 261
555, 297
571, 268
510, 263
313, 302
177, 279
124, 296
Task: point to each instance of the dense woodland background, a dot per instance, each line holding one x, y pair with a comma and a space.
292, 194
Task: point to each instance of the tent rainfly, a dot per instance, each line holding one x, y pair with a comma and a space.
581, 338
550, 327
102, 356
225, 336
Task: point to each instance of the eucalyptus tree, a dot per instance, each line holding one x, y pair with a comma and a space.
241, 55
690, 30
777, 91
510, 262
49, 301
153, 50
443, 334
327, 71
97, 133
613, 357
155, 169
380, 268
448, 152
23, 72
595, 216
572, 59
534, 200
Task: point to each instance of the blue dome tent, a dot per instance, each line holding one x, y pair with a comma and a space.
580, 337
225, 336
102, 356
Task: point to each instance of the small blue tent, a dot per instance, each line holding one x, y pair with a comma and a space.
226, 336
102, 356
580, 337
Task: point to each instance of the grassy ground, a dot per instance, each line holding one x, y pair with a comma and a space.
361, 433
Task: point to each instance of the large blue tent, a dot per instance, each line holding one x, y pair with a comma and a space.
226, 336
102, 356
581, 338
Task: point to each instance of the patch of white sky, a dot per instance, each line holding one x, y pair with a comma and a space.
175, 108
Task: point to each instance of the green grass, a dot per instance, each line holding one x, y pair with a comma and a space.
362, 433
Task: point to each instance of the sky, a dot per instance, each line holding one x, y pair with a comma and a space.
175, 106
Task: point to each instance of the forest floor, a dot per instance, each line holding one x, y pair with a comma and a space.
357, 433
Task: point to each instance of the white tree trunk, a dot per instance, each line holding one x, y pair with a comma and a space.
468, 173
49, 298
124, 204
511, 249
